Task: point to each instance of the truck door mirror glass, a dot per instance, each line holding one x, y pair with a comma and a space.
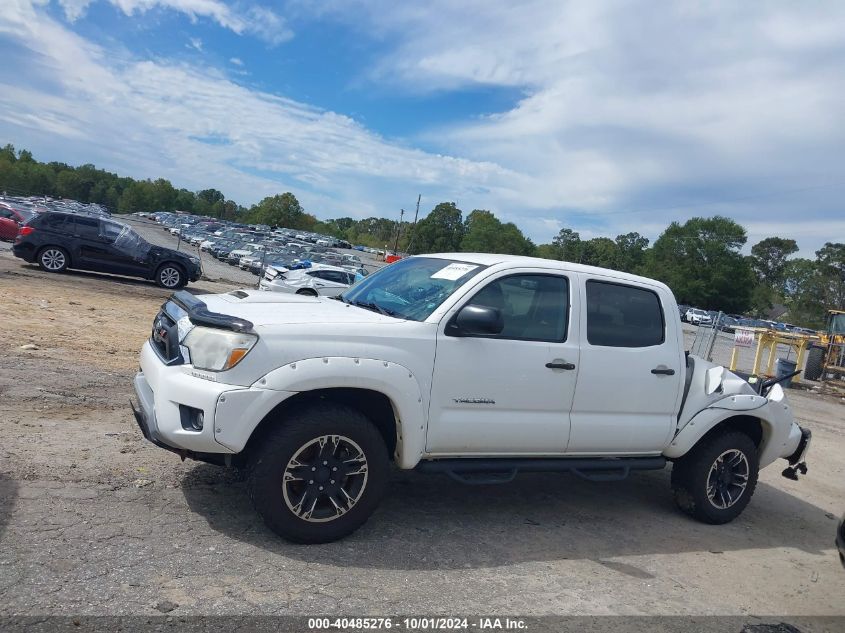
479, 320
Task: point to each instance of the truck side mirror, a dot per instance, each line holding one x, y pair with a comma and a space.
478, 320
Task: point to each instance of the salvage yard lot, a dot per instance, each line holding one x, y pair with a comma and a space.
93, 520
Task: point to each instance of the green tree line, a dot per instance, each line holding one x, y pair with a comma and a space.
700, 259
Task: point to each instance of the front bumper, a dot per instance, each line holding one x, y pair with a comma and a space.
145, 415
230, 412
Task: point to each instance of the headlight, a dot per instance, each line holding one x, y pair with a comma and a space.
217, 350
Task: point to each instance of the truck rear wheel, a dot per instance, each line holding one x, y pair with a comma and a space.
320, 474
715, 480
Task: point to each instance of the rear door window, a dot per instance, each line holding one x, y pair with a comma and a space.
336, 276
623, 316
88, 228
53, 221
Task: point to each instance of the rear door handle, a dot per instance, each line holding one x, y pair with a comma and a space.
663, 371
560, 365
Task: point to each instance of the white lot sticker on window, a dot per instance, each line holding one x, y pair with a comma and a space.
453, 271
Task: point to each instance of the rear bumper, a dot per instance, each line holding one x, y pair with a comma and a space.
25, 251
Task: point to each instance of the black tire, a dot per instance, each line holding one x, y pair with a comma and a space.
692, 474
308, 292
276, 498
53, 259
814, 368
171, 276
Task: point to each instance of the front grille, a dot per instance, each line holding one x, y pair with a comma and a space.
165, 339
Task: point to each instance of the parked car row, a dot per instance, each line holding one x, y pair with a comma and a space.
286, 260
729, 323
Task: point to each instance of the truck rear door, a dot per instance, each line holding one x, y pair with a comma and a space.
630, 376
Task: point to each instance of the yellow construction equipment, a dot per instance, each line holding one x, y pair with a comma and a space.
827, 359
768, 340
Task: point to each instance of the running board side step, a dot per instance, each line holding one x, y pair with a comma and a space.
480, 470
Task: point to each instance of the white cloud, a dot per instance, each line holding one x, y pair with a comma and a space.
624, 117
626, 106
259, 21
198, 128
195, 43
237, 61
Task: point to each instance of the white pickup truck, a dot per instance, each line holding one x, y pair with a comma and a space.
474, 365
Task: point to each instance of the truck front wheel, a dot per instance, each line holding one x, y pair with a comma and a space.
715, 480
319, 475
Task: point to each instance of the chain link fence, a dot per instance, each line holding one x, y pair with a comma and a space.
743, 350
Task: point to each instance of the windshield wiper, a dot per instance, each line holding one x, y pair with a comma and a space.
374, 307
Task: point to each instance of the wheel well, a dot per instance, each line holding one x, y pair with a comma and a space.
751, 426
373, 404
170, 262
306, 291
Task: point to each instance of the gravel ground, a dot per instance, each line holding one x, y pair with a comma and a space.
93, 520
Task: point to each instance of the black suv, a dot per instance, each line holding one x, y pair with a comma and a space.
58, 241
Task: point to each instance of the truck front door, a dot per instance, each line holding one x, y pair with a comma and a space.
631, 375
509, 393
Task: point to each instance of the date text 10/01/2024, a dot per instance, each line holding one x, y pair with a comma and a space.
417, 623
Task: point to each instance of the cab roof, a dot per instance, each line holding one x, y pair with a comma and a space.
494, 259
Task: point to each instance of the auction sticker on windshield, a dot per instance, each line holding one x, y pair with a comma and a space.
454, 271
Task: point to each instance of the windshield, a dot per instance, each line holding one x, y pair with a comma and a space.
411, 288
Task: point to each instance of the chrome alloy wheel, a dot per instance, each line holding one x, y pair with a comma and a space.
325, 478
53, 259
169, 277
727, 479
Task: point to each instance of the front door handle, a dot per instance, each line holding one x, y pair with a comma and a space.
663, 371
560, 365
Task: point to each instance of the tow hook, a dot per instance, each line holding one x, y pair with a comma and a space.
791, 472
797, 461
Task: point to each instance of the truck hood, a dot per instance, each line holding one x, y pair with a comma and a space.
264, 308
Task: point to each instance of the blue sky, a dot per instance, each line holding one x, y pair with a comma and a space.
601, 116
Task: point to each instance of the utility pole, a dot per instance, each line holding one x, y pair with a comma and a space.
398, 231
414, 226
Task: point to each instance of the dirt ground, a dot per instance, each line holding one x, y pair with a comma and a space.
93, 520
